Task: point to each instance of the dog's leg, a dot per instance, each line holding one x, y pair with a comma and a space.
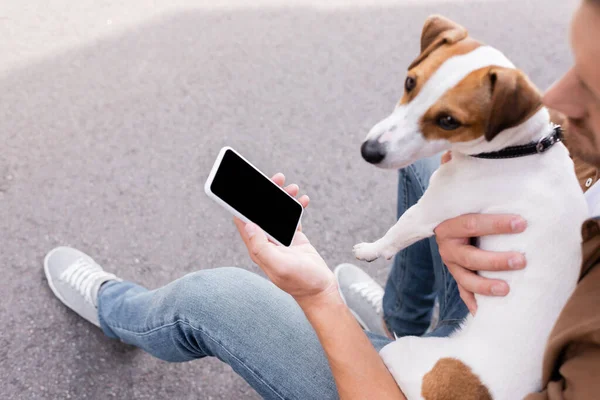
419, 221
413, 226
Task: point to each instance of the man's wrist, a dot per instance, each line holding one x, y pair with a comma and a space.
329, 297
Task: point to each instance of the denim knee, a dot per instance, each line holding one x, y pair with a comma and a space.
199, 291
209, 279
222, 298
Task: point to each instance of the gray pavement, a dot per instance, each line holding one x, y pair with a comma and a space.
107, 138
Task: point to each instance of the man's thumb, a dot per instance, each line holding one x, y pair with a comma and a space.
258, 239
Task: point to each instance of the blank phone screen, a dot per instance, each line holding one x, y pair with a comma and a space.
256, 197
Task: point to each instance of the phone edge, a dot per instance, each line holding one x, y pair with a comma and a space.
232, 210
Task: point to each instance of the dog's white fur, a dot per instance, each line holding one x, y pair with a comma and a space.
504, 343
401, 129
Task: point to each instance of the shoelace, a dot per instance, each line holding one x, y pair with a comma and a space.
372, 292
84, 276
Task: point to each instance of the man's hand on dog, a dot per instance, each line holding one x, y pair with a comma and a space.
299, 269
464, 260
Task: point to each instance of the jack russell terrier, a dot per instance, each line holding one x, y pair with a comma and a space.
507, 158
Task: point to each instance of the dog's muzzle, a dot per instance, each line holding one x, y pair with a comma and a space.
373, 151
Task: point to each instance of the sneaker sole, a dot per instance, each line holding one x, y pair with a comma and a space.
48, 278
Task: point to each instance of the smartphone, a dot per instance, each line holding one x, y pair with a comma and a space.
250, 195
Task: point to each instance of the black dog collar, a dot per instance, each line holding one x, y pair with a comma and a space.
527, 149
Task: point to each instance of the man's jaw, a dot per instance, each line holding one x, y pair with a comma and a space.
583, 143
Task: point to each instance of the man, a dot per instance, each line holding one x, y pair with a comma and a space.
295, 338
572, 360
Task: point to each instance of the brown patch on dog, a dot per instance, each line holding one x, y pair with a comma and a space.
441, 39
451, 379
468, 102
433, 62
486, 102
514, 100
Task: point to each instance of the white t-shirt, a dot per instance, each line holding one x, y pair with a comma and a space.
593, 199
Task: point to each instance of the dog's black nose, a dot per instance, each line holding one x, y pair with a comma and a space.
373, 151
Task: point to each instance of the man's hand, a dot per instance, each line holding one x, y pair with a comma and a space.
464, 260
298, 270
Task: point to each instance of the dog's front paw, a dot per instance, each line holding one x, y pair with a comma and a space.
388, 253
366, 251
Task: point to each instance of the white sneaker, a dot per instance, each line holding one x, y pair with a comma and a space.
363, 296
75, 279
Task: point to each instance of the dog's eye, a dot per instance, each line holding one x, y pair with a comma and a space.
410, 84
448, 123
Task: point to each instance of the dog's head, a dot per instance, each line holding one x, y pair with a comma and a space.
457, 92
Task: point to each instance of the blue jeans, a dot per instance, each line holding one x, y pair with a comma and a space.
259, 330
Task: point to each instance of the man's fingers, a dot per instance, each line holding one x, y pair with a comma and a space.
476, 225
474, 283
479, 260
469, 299
304, 200
299, 238
279, 179
292, 189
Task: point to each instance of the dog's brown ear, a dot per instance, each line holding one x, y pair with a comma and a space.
513, 100
438, 31
438, 28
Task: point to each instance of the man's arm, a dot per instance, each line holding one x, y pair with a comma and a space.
357, 368
299, 270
